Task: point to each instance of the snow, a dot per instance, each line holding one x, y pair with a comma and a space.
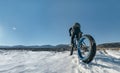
57, 62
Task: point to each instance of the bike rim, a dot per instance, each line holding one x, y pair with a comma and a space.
84, 48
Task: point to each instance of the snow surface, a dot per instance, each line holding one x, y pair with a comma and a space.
57, 62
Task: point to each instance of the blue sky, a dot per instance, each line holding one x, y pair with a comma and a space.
40, 22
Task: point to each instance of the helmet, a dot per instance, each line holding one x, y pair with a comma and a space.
77, 25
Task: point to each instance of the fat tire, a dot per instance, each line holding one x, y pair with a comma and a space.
92, 50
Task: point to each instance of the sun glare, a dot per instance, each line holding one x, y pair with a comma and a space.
14, 28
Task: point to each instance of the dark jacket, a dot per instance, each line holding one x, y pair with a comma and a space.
74, 30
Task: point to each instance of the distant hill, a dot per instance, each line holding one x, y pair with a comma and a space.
36, 46
109, 45
46, 46
61, 47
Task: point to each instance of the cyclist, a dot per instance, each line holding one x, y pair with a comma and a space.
75, 32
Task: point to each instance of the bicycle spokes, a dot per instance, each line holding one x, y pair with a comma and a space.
85, 47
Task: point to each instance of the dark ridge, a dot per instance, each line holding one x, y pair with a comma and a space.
58, 48
109, 45
38, 49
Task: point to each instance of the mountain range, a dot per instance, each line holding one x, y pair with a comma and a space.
37, 46
109, 45
57, 47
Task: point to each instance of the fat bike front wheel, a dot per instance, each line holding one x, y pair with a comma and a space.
86, 48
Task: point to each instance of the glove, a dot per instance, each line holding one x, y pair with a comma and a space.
80, 34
